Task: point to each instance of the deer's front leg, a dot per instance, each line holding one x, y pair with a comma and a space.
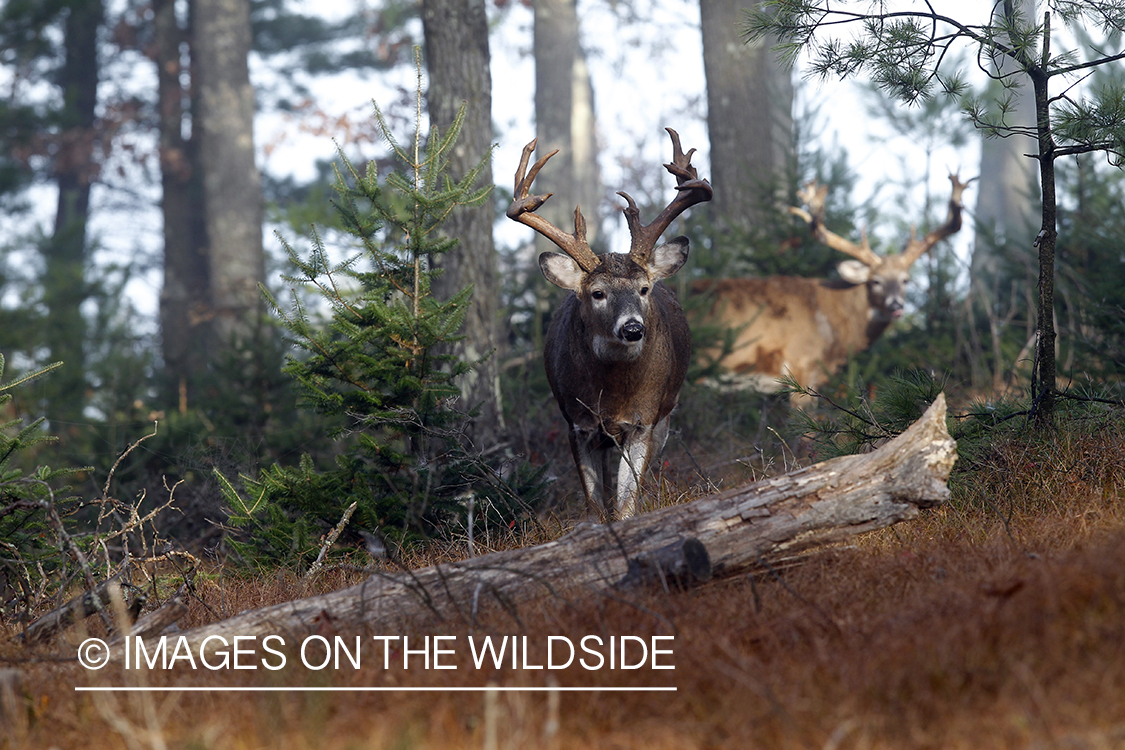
590, 457
635, 454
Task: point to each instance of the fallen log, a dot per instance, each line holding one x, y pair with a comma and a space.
79, 608
157, 621
735, 531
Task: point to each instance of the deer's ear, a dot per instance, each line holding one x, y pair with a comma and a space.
668, 258
854, 271
561, 270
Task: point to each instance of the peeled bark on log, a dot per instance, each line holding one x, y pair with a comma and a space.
739, 530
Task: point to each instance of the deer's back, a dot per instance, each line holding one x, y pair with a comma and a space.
788, 323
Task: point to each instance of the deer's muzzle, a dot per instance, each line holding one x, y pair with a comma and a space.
634, 330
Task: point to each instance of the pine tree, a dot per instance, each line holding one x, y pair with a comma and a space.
379, 368
909, 53
33, 505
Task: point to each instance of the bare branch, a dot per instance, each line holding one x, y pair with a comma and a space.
1087, 148
1086, 65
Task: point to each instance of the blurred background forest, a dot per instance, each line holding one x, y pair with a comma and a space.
164, 160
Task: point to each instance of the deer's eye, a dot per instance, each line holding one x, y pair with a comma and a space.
644, 290
598, 294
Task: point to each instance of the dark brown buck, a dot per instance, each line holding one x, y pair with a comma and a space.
809, 327
618, 346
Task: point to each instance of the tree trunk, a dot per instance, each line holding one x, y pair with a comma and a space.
184, 296
1043, 379
1006, 192
457, 58
232, 185
564, 120
749, 117
64, 282
737, 531
1007, 176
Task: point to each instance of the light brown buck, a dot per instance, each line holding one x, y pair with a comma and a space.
808, 328
619, 345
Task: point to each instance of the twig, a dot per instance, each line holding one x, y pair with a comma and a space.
109, 478
136, 521
1091, 399
329, 541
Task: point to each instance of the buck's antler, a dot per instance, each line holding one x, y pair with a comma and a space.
524, 206
692, 190
915, 249
814, 197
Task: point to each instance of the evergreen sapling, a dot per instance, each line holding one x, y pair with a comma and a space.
382, 369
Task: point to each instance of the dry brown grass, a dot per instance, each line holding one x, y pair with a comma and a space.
995, 622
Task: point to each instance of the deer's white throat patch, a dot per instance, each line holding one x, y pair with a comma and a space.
613, 349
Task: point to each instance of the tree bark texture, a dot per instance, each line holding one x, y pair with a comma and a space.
1043, 380
736, 531
74, 168
457, 58
564, 120
1007, 184
232, 185
749, 116
1006, 193
184, 296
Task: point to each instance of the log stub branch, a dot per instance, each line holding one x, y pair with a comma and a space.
677, 565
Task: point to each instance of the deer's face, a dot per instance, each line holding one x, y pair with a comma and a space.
615, 298
886, 285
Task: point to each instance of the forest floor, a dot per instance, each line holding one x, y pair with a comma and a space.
996, 621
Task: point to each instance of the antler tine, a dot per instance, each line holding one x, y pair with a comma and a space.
523, 184
681, 163
959, 187
524, 205
691, 190
916, 248
814, 197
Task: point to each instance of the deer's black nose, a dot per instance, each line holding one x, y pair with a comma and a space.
634, 330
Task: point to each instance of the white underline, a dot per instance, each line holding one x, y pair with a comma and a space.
299, 689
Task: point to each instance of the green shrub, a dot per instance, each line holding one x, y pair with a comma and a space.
31, 509
380, 365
